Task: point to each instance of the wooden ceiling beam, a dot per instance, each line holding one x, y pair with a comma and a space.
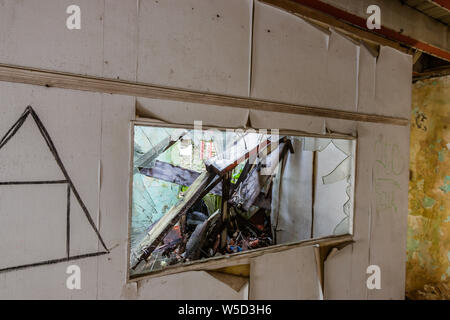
442, 3
349, 23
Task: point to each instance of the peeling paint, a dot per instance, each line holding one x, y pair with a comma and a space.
428, 202
428, 240
445, 188
442, 154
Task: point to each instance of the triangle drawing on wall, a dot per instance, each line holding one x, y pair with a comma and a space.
35, 231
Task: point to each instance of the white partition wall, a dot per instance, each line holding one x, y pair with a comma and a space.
240, 48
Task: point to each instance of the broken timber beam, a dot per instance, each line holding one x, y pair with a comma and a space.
163, 226
226, 182
147, 158
249, 190
199, 236
221, 166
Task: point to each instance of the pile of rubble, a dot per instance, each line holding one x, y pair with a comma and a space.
187, 232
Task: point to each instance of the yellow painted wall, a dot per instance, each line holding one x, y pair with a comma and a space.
428, 248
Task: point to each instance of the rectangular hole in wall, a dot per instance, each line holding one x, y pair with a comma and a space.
202, 194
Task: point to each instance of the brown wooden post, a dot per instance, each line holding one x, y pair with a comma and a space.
225, 210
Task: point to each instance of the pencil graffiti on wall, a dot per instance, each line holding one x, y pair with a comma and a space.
389, 166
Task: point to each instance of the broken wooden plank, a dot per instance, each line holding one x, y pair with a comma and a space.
196, 241
226, 182
250, 189
250, 165
198, 237
212, 186
283, 147
175, 174
147, 158
247, 167
160, 229
221, 165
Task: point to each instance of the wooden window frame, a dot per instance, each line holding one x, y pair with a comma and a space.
239, 258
